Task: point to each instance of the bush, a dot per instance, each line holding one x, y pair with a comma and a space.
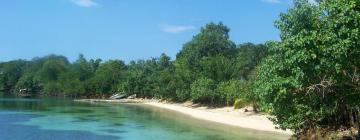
182, 94
240, 103
202, 90
229, 91
308, 80
52, 88
27, 81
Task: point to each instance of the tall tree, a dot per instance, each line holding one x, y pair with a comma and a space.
197, 56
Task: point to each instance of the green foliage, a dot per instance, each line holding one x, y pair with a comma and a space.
207, 60
53, 88
28, 81
238, 90
248, 57
211, 54
197, 55
53, 68
107, 76
71, 84
203, 91
83, 69
10, 73
240, 103
212, 40
219, 68
183, 94
230, 91
311, 78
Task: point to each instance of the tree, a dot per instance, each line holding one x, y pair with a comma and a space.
164, 84
211, 47
205, 61
83, 68
230, 91
218, 68
72, 85
28, 81
311, 79
10, 73
137, 77
213, 40
53, 68
203, 91
247, 58
164, 61
107, 76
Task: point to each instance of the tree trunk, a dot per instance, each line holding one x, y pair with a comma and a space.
255, 108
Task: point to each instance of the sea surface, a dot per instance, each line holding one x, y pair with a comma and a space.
64, 119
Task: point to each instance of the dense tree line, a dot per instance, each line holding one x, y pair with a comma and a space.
309, 80
210, 69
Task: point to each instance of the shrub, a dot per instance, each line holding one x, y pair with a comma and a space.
202, 90
229, 91
240, 103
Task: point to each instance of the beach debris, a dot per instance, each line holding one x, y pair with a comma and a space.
24, 93
132, 96
118, 96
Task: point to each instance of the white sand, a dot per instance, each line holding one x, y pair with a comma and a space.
225, 115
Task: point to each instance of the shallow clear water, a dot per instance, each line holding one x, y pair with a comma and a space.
63, 119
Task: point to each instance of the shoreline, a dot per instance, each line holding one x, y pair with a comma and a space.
224, 115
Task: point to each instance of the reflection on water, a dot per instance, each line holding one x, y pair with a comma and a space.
59, 119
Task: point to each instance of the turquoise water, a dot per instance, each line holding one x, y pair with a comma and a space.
63, 119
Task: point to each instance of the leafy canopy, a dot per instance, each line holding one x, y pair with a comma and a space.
312, 75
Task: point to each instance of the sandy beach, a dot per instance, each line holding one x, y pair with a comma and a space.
224, 115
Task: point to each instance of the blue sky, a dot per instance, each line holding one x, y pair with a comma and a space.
126, 29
